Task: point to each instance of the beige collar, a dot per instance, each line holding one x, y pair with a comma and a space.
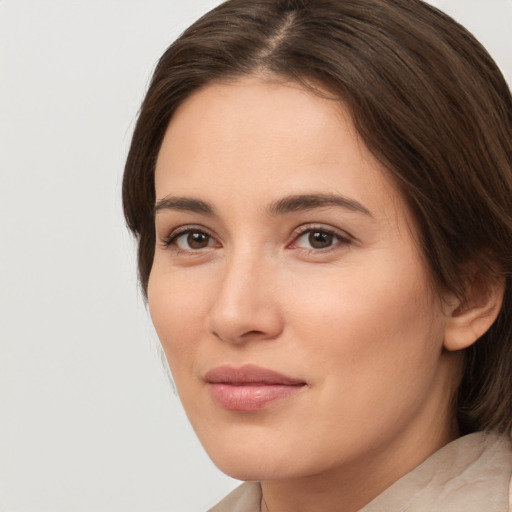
471, 474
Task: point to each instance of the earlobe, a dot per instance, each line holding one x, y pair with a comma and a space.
469, 320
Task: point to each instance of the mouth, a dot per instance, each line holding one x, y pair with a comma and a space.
250, 388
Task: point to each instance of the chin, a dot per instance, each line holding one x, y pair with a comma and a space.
249, 461
244, 472
240, 468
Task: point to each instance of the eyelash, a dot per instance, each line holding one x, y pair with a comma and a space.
171, 239
341, 239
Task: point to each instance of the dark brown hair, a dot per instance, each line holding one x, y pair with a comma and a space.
428, 101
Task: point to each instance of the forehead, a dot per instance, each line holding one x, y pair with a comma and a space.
252, 137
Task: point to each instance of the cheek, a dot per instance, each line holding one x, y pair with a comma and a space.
366, 325
372, 346
178, 308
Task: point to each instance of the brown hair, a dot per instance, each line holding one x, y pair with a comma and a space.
428, 101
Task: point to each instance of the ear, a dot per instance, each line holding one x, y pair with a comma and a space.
469, 320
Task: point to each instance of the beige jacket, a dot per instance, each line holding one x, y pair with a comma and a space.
471, 474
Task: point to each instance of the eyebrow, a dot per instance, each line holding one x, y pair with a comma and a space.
301, 202
187, 204
282, 206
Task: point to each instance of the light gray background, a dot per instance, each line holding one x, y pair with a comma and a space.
89, 422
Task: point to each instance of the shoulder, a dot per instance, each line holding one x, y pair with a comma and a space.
471, 474
245, 498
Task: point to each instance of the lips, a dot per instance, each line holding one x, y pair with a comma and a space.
249, 388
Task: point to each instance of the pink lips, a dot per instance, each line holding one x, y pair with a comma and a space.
249, 388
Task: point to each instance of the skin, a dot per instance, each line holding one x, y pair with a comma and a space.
355, 317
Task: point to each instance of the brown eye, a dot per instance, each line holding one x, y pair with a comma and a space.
320, 239
197, 240
191, 240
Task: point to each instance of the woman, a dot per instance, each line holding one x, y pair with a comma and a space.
321, 194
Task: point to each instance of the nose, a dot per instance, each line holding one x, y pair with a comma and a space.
245, 306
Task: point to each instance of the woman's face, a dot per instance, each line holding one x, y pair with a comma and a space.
288, 291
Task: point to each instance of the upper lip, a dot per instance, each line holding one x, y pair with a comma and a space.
249, 374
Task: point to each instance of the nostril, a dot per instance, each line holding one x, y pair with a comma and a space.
252, 333
242, 337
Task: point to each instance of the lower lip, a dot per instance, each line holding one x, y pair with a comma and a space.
250, 397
